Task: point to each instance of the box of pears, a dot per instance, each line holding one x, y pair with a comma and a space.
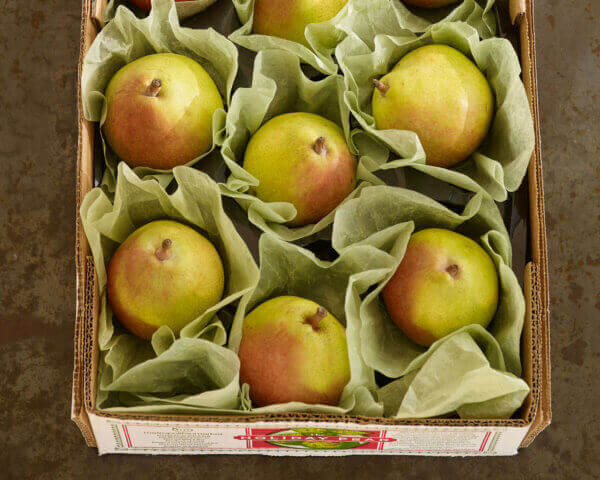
310, 230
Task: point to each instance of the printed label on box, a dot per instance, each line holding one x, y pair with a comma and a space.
130, 436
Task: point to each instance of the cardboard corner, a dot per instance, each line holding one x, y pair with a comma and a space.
517, 8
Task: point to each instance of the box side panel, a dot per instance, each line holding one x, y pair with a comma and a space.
301, 438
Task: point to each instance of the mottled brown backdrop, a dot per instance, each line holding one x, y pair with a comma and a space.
39, 41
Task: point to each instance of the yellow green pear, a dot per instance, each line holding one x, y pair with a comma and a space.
160, 111
293, 350
445, 281
440, 94
164, 273
289, 18
303, 159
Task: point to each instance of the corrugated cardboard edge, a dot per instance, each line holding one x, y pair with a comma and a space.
84, 184
535, 412
522, 15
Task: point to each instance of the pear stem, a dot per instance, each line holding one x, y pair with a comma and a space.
452, 270
316, 317
319, 146
154, 88
164, 251
382, 87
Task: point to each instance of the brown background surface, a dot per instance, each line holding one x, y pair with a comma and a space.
39, 43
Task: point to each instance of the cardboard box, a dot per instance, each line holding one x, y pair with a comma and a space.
263, 434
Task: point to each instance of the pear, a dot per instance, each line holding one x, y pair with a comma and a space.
445, 281
303, 159
293, 350
440, 94
159, 111
164, 273
289, 18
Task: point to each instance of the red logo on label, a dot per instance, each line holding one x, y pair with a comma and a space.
314, 438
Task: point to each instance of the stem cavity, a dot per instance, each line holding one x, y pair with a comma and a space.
154, 88
164, 251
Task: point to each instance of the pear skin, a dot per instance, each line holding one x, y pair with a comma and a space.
289, 18
303, 159
293, 350
159, 111
445, 281
438, 93
164, 273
